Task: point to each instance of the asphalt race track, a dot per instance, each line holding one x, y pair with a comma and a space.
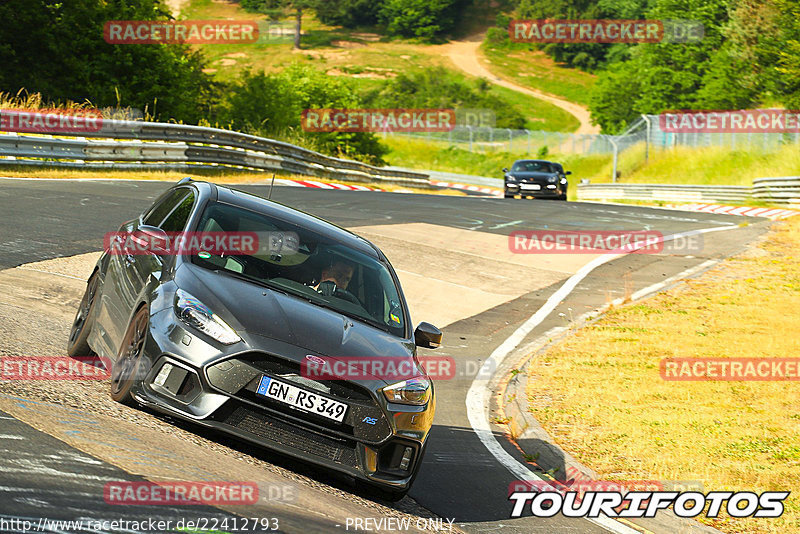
460, 478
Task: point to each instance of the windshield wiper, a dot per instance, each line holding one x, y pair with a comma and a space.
244, 277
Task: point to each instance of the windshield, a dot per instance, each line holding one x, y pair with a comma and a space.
305, 264
532, 166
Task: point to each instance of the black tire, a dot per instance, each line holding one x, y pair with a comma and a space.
506, 195
79, 334
563, 197
125, 371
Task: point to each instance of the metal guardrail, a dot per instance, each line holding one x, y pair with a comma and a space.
675, 193
157, 146
784, 190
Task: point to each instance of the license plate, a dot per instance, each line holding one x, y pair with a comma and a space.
535, 187
301, 399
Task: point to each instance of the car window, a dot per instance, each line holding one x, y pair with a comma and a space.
164, 207
176, 221
306, 264
532, 166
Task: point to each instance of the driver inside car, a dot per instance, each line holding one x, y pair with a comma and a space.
336, 275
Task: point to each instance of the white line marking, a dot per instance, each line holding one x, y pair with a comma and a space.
11, 436
479, 396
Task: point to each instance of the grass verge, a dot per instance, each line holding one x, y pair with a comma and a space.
736, 436
535, 70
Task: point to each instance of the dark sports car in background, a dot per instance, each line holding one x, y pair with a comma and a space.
534, 178
221, 339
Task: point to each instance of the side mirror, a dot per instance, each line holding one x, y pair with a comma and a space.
427, 336
568, 172
505, 169
150, 239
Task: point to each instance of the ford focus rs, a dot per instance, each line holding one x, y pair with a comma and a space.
224, 337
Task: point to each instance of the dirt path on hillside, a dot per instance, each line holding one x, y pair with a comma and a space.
465, 54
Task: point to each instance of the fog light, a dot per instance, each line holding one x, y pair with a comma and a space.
406, 458
161, 377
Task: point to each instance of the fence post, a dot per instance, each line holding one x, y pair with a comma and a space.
510, 140
469, 128
529, 140
614, 170
646, 137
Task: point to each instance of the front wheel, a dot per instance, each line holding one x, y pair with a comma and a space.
79, 334
125, 370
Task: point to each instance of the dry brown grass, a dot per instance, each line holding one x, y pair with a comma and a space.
600, 395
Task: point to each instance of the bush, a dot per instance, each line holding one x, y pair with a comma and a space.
349, 13
425, 19
272, 105
437, 87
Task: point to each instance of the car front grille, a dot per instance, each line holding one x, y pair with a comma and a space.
272, 429
239, 377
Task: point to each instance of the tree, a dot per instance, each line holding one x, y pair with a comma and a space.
424, 19
272, 8
57, 49
349, 13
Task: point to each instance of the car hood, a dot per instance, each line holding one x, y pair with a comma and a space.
258, 312
534, 176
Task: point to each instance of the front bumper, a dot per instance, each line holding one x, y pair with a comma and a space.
215, 387
534, 189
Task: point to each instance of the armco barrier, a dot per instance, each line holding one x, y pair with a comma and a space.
153, 145
784, 190
672, 193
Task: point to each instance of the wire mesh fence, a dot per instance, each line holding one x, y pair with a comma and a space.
645, 130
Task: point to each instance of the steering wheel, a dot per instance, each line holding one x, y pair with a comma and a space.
330, 289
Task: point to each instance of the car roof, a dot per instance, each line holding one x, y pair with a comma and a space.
533, 161
293, 216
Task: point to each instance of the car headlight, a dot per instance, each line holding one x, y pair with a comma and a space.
510, 178
197, 315
415, 391
563, 180
552, 179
